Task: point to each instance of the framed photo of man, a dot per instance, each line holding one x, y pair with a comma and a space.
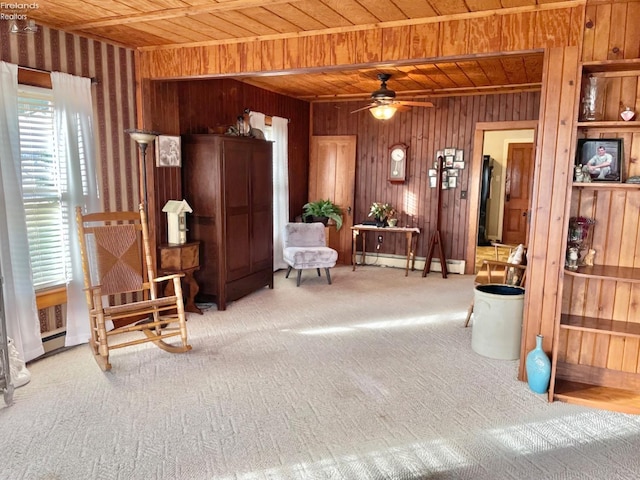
600, 158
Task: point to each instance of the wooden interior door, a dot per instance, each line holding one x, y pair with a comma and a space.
332, 173
518, 184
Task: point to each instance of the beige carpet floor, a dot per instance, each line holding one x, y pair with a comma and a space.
372, 377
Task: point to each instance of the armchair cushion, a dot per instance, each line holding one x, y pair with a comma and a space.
305, 246
310, 257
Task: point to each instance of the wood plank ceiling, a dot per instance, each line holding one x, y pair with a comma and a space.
161, 24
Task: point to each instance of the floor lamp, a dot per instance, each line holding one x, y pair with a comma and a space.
143, 139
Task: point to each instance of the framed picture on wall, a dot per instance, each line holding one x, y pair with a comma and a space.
600, 158
458, 165
448, 161
433, 182
168, 151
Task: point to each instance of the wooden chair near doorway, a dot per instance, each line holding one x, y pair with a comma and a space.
117, 263
512, 272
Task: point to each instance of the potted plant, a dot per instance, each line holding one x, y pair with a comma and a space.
381, 212
323, 211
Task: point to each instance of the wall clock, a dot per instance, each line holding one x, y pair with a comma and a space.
398, 163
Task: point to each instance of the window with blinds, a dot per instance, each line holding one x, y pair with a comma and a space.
42, 187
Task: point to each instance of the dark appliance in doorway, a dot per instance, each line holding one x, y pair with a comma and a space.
485, 192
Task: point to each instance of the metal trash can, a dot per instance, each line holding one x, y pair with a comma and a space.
497, 321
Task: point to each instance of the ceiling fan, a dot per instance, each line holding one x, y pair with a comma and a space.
383, 104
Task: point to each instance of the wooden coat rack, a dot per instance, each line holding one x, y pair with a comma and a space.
436, 238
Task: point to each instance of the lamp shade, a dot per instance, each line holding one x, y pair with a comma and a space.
142, 136
383, 112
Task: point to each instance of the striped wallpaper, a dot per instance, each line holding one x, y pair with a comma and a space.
114, 99
114, 110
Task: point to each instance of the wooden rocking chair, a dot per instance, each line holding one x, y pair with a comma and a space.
117, 261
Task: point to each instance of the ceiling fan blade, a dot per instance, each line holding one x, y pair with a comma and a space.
415, 104
400, 107
371, 105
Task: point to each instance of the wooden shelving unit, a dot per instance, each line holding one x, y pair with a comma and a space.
608, 398
631, 125
607, 186
596, 352
607, 272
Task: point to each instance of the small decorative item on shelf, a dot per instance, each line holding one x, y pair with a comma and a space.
176, 211
592, 103
627, 114
381, 212
577, 174
581, 174
587, 261
633, 179
538, 368
579, 236
572, 258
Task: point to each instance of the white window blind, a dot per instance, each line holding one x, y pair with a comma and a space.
42, 187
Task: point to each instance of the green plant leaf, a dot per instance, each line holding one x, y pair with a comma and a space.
324, 208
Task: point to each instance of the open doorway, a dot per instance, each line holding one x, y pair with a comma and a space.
498, 186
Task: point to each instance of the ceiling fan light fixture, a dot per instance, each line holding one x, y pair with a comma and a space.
383, 112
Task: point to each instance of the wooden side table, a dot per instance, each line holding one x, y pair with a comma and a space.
411, 234
183, 259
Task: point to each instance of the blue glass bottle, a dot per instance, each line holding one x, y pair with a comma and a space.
538, 368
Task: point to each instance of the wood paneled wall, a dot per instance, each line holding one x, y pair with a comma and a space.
195, 106
451, 123
553, 167
610, 32
113, 109
546, 26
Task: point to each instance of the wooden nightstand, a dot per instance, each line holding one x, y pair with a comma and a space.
184, 259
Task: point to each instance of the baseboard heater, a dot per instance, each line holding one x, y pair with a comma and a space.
400, 261
53, 340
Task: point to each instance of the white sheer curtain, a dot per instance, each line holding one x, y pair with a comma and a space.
279, 134
257, 120
19, 297
74, 125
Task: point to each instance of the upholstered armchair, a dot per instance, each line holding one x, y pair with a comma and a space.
305, 246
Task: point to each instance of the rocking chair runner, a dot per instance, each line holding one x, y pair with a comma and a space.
117, 260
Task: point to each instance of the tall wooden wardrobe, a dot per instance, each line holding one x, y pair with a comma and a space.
228, 183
